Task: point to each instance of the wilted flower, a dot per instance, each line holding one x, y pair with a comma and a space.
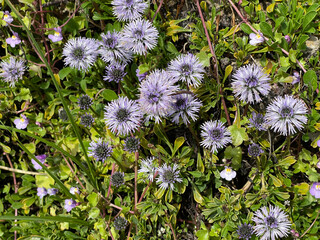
87, 120
81, 53
12, 70
100, 150
128, 10
21, 123
141, 76
123, 116
286, 114
138, 36
115, 72
41, 158
258, 122
57, 36
74, 190
120, 223
111, 50
315, 190
255, 39
117, 179
245, 231
84, 102
69, 204
296, 77
184, 106
272, 223
249, 82
254, 150
14, 40
7, 17
156, 94
215, 135
148, 167
132, 144
228, 174
41, 192
168, 176
52, 191
187, 68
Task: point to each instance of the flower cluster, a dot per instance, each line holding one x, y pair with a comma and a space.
42, 191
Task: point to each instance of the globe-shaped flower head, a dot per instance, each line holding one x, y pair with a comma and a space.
120, 223
188, 69
80, 53
258, 121
115, 72
271, 224
138, 36
117, 179
86, 120
286, 114
84, 102
254, 150
128, 10
132, 144
250, 82
100, 150
156, 94
245, 231
215, 135
148, 167
168, 176
12, 70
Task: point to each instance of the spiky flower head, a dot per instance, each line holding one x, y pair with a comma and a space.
84, 102
100, 150
245, 231
86, 120
156, 94
228, 174
139, 36
117, 179
128, 10
254, 150
271, 223
122, 116
111, 50
315, 190
187, 68
215, 135
115, 72
250, 82
148, 167
120, 223
258, 121
168, 176
12, 70
41, 192
132, 144
184, 106
286, 115
80, 53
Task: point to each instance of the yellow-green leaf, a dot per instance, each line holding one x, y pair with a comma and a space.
276, 181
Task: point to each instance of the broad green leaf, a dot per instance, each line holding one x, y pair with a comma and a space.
109, 95
266, 29
244, 27
203, 235
94, 213
177, 144
47, 218
276, 181
31, 147
238, 135
227, 72
286, 162
303, 188
200, 165
93, 199
308, 19
44, 181
310, 79
64, 72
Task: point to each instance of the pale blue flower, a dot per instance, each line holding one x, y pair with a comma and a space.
41, 158
168, 176
12, 70
258, 121
57, 36
41, 192
21, 123
69, 204
7, 17
14, 40
128, 10
245, 231
115, 72
254, 150
148, 167
100, 150
255, 39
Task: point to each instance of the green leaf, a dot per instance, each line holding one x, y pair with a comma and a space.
158, 194
17, 205
93, 199
276, 181
286, 162
238, 135
203, 235
158, 131
227, 72
235, 154
266, 29
109, 95
94, 213
292, 55
44, 181
47, 218
177, 144
310, 79
31, 147
284, 61
200, 165
64, 72
204, 58
244, 27
308, 19
5, 148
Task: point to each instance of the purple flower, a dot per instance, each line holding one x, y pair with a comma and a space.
258, 122
100, 150
84, 102
81, 53
156, 94
52, 191
74, 190
115, 72
41, 158
296, 77
287, 38
141, 76
254, 150
111, 50
123, 116
228, 174
184, 106
69, 204
318, 164
272, 223
128, 10
315, 190
148, 167
86, 120
21, 123
12, 70
139, 36
249, 82
286, 114
188, 69
57, 36
255, 39
318, 143
14, 40
245, 231
117, 179
41, 192
168, 176
120, 223
7, 17
215, 135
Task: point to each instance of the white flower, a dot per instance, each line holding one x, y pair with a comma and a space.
228, 174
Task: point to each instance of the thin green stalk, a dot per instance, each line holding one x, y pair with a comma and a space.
74, 126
